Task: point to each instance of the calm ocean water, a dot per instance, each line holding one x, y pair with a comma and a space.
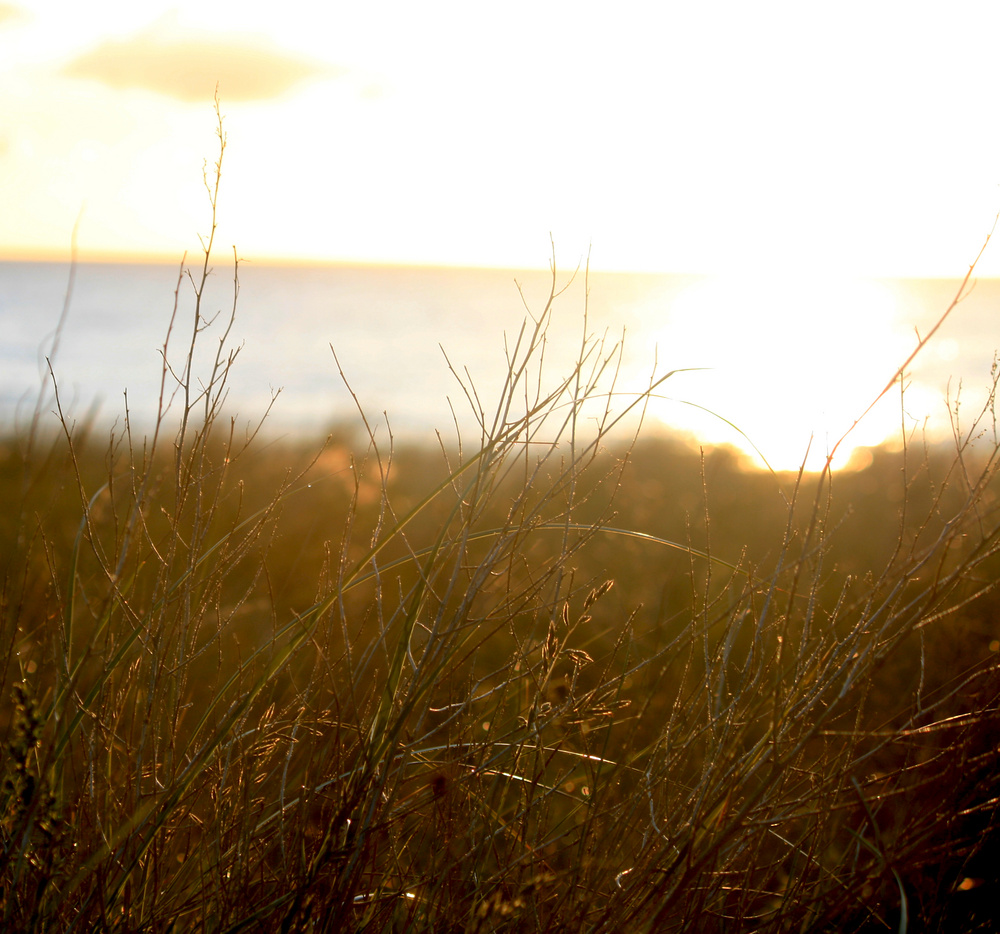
779, 351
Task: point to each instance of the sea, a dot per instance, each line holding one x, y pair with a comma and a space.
767, 363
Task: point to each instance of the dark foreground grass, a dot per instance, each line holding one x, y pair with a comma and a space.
558, 677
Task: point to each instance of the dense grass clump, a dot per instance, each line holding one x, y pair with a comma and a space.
561, 677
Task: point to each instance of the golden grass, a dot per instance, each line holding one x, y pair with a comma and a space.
559, 677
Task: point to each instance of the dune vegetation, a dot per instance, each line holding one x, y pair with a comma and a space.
565, 675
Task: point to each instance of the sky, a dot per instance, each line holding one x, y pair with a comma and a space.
673, 136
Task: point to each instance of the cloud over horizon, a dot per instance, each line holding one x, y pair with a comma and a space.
11, 13
188, 69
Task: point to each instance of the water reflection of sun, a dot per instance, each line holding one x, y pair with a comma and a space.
791, 361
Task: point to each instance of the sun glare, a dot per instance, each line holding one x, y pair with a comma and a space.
791, 363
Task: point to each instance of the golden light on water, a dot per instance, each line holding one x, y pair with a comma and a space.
792, 363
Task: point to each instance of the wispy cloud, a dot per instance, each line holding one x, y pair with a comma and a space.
9, 13
188, 69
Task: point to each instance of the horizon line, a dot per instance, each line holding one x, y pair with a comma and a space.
137, 258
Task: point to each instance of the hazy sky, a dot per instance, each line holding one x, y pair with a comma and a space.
860, 138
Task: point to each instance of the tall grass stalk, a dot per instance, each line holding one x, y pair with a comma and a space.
504, 697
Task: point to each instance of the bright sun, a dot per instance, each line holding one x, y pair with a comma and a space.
793, 363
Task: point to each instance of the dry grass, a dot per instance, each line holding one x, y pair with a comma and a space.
559, 678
